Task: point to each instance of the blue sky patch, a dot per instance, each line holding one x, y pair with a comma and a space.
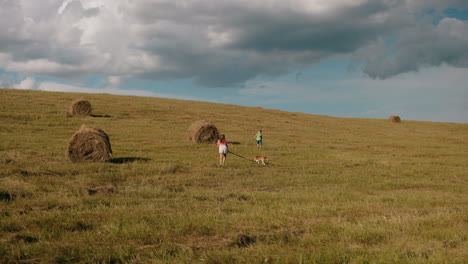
460, 14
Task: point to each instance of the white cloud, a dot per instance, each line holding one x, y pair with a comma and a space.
27, 84
42, 66
115, 81
63, 6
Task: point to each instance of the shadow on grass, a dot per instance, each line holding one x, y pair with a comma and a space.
105, 116
127, 160
234, 143
6, 196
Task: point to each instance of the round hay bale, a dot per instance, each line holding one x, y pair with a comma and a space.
80, 107
203, 132
89, 145
394, 119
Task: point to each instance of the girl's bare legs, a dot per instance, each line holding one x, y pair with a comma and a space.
222, 159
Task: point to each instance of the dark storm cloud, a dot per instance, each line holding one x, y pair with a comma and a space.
419, 47
258, 41
339, 31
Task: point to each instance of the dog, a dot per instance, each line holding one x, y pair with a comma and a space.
260, 159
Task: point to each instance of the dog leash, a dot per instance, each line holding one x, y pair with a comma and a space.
240, 156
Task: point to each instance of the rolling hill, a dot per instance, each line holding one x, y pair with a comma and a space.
337, 190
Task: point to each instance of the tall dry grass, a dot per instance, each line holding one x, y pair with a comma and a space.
337, 190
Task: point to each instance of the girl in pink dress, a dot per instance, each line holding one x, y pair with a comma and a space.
222, 149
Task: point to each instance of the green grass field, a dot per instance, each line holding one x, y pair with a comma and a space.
337, 190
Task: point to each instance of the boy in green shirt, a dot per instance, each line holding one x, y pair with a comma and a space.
259, 137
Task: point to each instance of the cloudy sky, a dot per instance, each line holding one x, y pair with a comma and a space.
347, 58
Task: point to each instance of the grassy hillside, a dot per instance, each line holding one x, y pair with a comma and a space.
337, 190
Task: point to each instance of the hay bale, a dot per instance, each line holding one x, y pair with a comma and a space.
89, 145
80, 107
203, 132
394, 119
